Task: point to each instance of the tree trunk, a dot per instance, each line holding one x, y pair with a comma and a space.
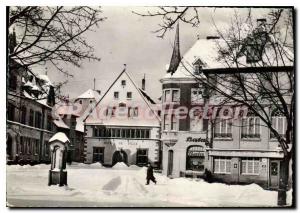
283, 181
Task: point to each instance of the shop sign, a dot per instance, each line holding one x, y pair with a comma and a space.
191, 139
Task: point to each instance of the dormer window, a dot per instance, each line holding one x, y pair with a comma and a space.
198, 64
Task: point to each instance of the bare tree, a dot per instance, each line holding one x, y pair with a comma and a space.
171, 15
53, 35
258, 57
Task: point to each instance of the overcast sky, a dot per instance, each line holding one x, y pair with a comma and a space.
125, 38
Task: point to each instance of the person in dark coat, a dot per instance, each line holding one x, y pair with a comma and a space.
150, 175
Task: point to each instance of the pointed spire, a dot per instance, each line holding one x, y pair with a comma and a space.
176, 58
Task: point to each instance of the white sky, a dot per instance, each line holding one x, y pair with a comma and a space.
125, 38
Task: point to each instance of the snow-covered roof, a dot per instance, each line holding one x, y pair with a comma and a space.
206, 51
89, 94
60, 136
60, 123
45, 78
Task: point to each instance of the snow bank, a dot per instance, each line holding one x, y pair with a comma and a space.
120, 165
96, 165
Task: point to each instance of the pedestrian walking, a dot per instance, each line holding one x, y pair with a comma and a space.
150, 175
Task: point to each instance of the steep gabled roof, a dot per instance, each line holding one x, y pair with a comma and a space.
148, 103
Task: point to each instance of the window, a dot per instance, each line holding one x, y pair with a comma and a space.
91, 101
250, 165
147, 133
142, 133
46, 148
23, 115
80, 101
123, 83
173, 122
49, 122
132, 133
195, 158
10, 112
121, 133
21, 146
222, 165
279, 123
130, 112
166, 122
38, 119
223, 128
111, 111
175, 95
196, 95
28, 146
129, 95
12, 84
172, 95
31, 117
251, 127
167, 97
116, 95
142, 156
135, 112
36, 150
98, 154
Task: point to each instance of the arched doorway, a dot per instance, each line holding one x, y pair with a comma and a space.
9, 145
170, 162
195, 158
119, 156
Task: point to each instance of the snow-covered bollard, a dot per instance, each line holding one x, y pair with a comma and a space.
58, 149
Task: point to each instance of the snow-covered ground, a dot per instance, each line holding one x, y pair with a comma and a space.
96, 186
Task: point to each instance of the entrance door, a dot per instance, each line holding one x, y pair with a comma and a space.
170, 162
119, 156
274, 173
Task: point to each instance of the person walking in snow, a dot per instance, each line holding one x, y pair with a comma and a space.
150, 175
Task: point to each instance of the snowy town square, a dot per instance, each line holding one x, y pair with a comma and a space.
164, 106
121, 186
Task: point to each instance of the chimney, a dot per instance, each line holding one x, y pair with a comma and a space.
143, 83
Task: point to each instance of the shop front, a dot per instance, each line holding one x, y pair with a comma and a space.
186, 156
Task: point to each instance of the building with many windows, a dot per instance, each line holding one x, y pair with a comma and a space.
29, 125
239, 150
124, 126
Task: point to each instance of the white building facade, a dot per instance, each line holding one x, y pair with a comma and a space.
123, 126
